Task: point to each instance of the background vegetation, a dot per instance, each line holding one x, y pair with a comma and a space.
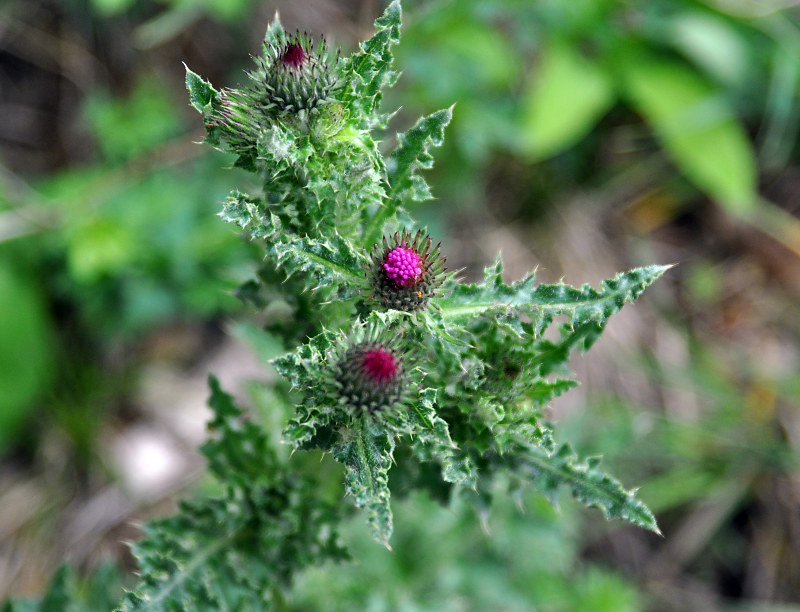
588, 137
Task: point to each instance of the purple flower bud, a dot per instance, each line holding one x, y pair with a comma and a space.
403, 266
405, 271
371, 374
293, 75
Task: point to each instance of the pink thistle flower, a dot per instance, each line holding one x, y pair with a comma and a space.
405, 271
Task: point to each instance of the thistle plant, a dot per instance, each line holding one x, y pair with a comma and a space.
384, 346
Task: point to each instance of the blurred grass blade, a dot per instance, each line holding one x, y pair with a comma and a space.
697, 129
564, 100
26, 351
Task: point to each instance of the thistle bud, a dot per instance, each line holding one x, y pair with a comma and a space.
405, 271
371, 375
293, 74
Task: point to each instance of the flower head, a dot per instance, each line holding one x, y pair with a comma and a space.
405, 271
370, 374
402, 266
293, 74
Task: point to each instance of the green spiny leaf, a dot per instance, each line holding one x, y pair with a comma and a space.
282, 151
230, 552
302, 367
201, 94
412, 154
553, 356
331, 263
543, 302
250, 214
432, 441
304, 428
239, 451
588, 485
369, 70
366, 452
544, 391
184, 561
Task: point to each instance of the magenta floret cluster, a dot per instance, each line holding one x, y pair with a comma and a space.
402, 265
379, 365
293, 56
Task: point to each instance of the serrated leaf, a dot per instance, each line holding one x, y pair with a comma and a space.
553, 356
305, 369
369, 70
230, 552
304, 428
302, 366
593, 488
238, 451
412, 154
280, 149
695, 126
566, 97
543, 302
250, 214
183, 561
331, 263
432, 441
201, 93
366, 453
544, 391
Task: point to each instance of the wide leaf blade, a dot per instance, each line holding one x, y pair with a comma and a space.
564, 100
695, 126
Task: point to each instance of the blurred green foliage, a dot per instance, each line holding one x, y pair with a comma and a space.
66, 592
128, 243
538, 79
730, 439
26, 356
176, 11
524, 559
